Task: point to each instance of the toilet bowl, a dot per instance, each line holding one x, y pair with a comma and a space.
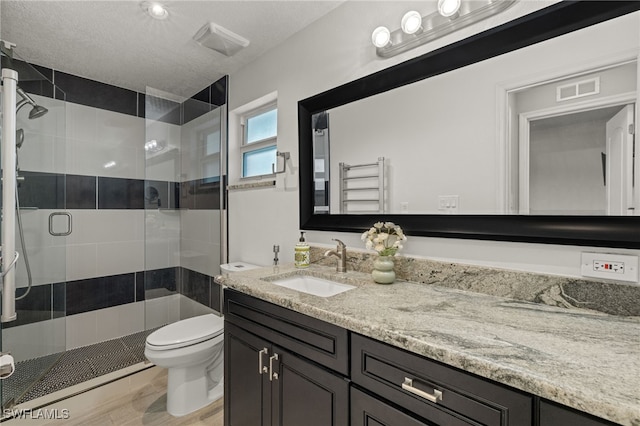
192, 351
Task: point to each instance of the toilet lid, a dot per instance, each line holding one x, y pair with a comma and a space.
187, 332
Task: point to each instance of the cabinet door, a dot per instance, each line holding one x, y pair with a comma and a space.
369, 411
306, 394
555, 415
246, 383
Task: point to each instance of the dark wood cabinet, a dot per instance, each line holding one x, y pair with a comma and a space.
247, 389
557, 415
268, 385
283, 368
367, 410
305, 394
433, 391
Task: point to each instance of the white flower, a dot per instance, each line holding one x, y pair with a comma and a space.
384, 237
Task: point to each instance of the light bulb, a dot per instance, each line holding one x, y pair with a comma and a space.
155, 10
381, 37
411, 22
448, 8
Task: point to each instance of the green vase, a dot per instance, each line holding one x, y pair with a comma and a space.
383, 272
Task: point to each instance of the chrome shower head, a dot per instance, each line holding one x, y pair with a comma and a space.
37, 110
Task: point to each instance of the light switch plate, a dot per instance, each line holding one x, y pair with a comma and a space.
618, 267
448, 203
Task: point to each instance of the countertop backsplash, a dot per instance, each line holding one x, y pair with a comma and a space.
571, 293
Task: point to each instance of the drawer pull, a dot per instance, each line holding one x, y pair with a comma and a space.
261, 367
408, 386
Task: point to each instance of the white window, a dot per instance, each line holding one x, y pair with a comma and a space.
259, 141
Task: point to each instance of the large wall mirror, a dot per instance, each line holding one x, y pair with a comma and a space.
520, 133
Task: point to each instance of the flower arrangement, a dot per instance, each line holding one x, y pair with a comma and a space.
385, 238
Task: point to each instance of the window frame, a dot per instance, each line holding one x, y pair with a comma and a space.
246, 147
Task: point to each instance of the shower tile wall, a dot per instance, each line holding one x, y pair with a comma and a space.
138, 247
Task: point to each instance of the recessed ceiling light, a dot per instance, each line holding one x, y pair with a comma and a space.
155, 10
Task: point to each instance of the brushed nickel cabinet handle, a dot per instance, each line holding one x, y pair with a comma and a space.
261, 367
273, 375
408, 386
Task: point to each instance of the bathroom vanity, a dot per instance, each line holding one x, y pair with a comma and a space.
416, 354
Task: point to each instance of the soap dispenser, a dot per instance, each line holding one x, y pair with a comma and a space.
302, 255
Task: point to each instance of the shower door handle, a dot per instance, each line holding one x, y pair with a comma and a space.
69, 224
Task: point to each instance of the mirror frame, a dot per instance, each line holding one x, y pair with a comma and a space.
555, 20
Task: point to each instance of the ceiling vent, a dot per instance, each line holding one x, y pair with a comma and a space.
220, 39
578, 89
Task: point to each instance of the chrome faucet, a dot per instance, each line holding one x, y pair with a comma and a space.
341, 253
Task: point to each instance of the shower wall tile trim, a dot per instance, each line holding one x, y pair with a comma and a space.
50, 301
57, 191
83, 91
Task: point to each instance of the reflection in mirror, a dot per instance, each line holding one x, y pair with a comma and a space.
542, 130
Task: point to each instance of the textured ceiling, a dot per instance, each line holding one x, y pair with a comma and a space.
116, 42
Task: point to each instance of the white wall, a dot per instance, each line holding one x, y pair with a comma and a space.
566, 169
439, 134
334, 50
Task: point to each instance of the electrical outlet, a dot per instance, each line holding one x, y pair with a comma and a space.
404, 207
619, 267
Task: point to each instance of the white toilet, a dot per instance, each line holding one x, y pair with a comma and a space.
192, 350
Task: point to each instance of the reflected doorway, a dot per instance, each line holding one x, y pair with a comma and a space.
571, 147
578, 163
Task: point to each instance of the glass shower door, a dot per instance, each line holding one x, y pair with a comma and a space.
37, 337
183, 218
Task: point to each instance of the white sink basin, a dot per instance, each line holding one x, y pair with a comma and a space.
313, 285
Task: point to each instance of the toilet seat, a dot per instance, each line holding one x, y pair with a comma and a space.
186, 332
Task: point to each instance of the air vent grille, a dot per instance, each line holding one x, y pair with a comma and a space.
578, 89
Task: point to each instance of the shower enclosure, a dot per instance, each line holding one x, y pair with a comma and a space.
121, 206
35, 228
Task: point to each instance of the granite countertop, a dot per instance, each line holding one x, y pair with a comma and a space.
580, 358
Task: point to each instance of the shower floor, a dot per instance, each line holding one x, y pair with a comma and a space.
62, 370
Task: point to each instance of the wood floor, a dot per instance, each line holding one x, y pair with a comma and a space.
142, 406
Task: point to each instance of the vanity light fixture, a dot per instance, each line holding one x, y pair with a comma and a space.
416, 30
155, 10
381, 37
449, 8
411, 22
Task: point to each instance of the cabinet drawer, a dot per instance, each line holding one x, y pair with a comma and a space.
316, 340
433, 390
367, 410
